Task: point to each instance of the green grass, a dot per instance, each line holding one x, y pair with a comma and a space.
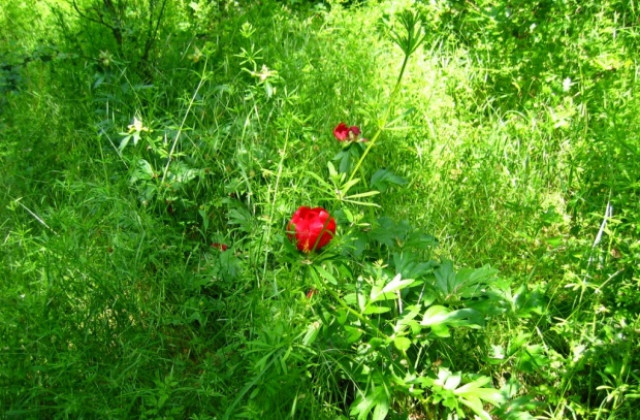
512, 144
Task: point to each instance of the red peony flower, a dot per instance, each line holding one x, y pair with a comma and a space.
221, 247
344, 133
341, 132
311, 228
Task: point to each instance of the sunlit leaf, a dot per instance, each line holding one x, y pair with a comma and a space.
402, 343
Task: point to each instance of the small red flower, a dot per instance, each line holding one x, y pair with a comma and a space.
311, 228
344, 133
341, 132
221, 247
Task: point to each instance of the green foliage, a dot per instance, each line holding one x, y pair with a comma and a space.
485, 261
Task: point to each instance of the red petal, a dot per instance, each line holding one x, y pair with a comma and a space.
341, 132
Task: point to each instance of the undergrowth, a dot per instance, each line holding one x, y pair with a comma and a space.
485, 257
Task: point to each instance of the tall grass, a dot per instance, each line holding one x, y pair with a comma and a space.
513, 142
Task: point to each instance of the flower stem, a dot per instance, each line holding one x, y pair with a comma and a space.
355, 313
382, 126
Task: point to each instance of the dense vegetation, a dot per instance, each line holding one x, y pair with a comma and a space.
486, 257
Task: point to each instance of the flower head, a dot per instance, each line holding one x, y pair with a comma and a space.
342, 132
220, 247
311, 228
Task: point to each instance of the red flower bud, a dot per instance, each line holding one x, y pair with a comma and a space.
341, 132
344, 133
221, 247
311, 228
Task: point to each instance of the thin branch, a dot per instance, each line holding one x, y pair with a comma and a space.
35, 216
184, 119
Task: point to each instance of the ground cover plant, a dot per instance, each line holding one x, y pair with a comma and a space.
402, 210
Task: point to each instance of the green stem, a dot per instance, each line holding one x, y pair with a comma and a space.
267, 236
355, 313
371, 325
382, 126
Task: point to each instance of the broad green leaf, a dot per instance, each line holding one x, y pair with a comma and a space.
381, 410
353, 334
375, 399
397, 284
402, 343
465, 317
408, 318
452, 381
311, 333
440, 330
435, 315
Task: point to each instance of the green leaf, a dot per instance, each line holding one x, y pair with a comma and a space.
348, 185
325, 275
435, 315
353, 334
474, 395
388, 232
383, 178
322, 182
124, 142
363, 195
465, 317
311, 333
402, 343
397, 284
439, 318
381, 410
375, 399
374, 309
440, 330
143, 171
361, 203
